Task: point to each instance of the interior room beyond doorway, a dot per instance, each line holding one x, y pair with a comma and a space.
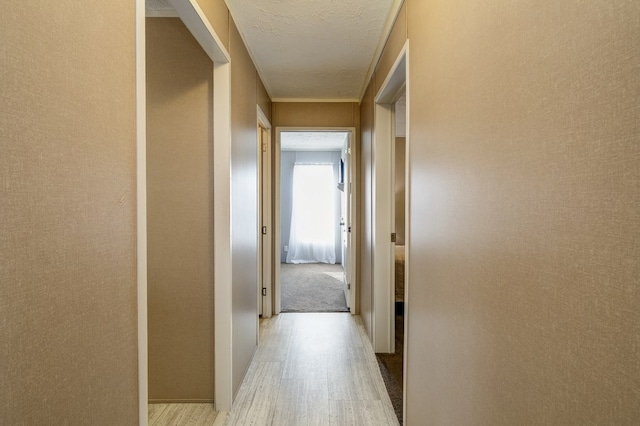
313, 221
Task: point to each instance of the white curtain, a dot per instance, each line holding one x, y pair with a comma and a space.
313, 225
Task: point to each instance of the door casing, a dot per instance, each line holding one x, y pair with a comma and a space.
195, 20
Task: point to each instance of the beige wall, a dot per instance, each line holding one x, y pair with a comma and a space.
316, 114
247, 91
525, 166
217, 14
68, 339
323, 114
394, 44
244, 208
180, 213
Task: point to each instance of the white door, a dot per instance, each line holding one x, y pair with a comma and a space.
346, 221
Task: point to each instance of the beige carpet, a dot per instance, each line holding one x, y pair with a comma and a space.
312, 287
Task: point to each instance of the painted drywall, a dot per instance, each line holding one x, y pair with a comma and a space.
264, 101
217, 14
315, 114
244, 208
287, 160
180, 214
524, 164
68, 333
395, 41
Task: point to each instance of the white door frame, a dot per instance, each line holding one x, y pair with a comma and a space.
277, 308
382, 201
141, 214
222, 278
265, 201
195, 20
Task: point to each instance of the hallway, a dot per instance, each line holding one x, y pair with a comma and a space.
313, 368
132, 253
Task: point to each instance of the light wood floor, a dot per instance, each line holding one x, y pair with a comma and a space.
313, 369
181, 415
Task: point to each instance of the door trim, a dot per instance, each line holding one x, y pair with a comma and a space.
141, 214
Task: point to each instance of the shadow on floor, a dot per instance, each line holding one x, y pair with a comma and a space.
391, 368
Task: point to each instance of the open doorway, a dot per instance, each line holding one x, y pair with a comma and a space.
315, 222
390, 274
265, 199
198, 26
392, 364
180, 289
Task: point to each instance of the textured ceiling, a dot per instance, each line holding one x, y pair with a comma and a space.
314, 49
312, 141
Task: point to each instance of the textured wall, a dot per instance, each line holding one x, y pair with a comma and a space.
218, 15
263, 99
244, 207
396, 40
365, 252
525, 204
68, 343
180, 213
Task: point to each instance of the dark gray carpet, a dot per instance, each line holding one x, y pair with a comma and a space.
312, 287
391, 368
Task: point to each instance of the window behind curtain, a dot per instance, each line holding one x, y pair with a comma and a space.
312, 236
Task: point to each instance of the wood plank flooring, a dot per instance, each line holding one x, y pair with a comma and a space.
181, 414
313, 369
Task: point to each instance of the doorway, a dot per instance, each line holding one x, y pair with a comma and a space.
195, 21
392, 364
315, 225
390, 280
